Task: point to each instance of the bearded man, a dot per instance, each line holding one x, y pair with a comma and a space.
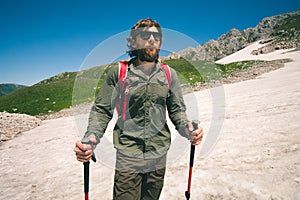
141, 135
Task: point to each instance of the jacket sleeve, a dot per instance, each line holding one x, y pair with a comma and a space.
176, 106
103, 108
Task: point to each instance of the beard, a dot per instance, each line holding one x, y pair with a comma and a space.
148, 54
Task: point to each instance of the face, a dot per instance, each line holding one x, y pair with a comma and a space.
148, 43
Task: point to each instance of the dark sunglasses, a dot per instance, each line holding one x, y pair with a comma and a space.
145, 35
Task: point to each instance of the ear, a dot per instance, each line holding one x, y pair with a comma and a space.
133, 43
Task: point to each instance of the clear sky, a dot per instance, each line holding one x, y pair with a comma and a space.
42, 38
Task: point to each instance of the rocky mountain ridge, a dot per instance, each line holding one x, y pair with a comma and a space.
278, 32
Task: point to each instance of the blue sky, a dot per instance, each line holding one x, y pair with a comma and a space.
41, 38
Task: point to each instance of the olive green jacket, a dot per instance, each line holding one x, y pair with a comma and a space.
144, 133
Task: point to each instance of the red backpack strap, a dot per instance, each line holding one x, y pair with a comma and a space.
168, 73
123, 66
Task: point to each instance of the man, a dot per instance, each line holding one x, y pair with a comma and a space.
142, 138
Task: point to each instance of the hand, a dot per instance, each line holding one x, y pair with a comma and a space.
195, 136
84, 152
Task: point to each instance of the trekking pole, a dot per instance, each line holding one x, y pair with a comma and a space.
188, 192
86, 170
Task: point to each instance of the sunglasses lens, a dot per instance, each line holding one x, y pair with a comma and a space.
156, 36
145, 35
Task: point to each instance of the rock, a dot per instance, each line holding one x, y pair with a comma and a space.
13, 124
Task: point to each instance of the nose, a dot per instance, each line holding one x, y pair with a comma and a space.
151, 38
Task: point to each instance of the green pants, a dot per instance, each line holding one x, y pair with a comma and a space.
137, 179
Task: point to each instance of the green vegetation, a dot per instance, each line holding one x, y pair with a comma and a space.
50, 95
188, 74
194, 72
288, 30
88, 83
8, 88
67, 89
230, 69
290, 23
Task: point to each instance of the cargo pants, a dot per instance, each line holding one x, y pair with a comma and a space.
138, 179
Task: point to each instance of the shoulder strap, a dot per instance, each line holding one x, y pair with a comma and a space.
123, 65
168, 73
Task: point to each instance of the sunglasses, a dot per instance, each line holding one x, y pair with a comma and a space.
145, 35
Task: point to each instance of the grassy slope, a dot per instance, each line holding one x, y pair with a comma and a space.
8, 88
50, 95
61, 91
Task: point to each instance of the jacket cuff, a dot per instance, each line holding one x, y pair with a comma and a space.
87, 134
181, 129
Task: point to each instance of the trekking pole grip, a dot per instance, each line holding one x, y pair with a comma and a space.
86, 140
195, 124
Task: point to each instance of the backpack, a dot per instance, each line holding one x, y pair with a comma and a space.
123, 81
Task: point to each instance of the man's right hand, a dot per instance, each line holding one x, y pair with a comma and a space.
84, 152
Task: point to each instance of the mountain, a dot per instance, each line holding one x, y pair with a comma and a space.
53, 94
50, 95
279, 32
72, 88
8, 88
